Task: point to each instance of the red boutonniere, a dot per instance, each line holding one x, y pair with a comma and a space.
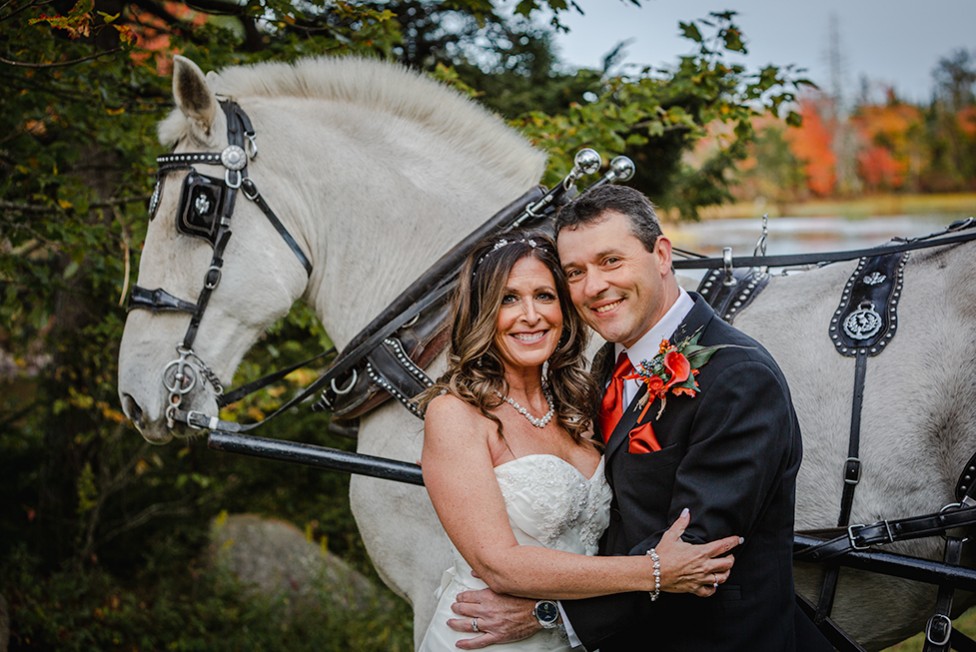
672, 370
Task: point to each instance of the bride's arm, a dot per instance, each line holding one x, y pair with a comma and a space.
459, 476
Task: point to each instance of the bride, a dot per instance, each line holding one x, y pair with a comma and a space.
523, 497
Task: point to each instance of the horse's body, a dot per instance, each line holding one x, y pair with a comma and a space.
376, 172
918, 420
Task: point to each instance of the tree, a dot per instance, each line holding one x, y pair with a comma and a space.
891, 146
954, 151
812, 146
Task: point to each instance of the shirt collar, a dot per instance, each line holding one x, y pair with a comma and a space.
647, 346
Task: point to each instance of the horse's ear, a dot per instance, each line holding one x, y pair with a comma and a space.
193, 95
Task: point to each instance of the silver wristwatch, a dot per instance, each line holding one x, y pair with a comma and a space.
547, 613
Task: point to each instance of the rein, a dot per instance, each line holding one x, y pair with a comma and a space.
728, 263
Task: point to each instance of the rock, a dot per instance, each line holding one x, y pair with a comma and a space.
274, 559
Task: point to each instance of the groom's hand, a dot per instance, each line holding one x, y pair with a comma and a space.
500, 618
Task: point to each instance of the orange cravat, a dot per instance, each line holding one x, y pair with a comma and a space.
612, 406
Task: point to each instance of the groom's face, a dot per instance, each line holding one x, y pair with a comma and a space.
619, 288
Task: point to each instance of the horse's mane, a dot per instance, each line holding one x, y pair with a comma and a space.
378, 85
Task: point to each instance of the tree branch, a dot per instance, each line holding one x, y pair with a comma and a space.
43, 209
60, 64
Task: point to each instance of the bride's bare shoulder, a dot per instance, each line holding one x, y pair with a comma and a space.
450, 408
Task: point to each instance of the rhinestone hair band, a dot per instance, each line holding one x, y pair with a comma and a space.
501, 244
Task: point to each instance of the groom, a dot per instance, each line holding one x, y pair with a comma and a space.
728, 452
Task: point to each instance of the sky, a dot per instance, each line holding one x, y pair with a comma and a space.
896, 43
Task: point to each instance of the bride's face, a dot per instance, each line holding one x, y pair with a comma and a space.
530, 320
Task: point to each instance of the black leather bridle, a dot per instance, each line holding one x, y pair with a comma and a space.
206, 208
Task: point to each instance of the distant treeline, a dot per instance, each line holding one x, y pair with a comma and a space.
872, 147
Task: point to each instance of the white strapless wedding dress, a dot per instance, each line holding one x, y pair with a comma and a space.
550, 504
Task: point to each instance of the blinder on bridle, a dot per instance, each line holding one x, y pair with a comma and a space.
205, 211
201, 203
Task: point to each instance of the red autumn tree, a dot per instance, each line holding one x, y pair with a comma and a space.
811, 144
891, 146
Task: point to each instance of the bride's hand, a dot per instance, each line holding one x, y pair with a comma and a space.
691, 568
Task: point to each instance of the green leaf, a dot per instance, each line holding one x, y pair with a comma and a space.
690, 31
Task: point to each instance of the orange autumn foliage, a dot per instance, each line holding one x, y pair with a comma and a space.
812, 146
967, 120
153, 35
886, 133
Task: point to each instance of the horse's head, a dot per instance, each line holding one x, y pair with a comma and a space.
203, 297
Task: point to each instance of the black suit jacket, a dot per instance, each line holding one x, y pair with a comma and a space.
730, 454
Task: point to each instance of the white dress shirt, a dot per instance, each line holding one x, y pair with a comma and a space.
648, 346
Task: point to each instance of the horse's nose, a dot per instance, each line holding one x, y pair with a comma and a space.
132, 410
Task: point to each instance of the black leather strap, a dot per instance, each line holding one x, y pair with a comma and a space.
730, 299
158, 300
866, 319
251, 192
938, 629
852, 466
245, 390
859, 537
966, 485
392, 369
961, 642
933, 240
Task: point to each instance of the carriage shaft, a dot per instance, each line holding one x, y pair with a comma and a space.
317, 456
886, 563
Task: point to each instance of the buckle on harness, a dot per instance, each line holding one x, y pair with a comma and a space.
853, 536
852, 470
938, 629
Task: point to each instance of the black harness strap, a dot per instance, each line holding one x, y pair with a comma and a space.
730, 292
859, 330
251, 192
938, 629
861, 537
158, 300
794, 260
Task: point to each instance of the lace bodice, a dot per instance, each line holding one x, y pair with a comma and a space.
551, 503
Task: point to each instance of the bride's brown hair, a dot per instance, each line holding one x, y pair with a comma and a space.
475, 371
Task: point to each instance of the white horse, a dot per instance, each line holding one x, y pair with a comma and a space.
376, 172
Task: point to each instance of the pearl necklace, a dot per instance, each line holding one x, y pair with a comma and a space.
542, 421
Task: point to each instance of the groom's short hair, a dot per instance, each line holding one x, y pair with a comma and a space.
589, 207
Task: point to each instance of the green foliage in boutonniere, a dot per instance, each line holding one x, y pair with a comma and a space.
673, 370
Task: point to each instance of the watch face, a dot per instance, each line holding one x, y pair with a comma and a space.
546, 611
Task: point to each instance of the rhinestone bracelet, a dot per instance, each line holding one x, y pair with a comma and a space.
656, 593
